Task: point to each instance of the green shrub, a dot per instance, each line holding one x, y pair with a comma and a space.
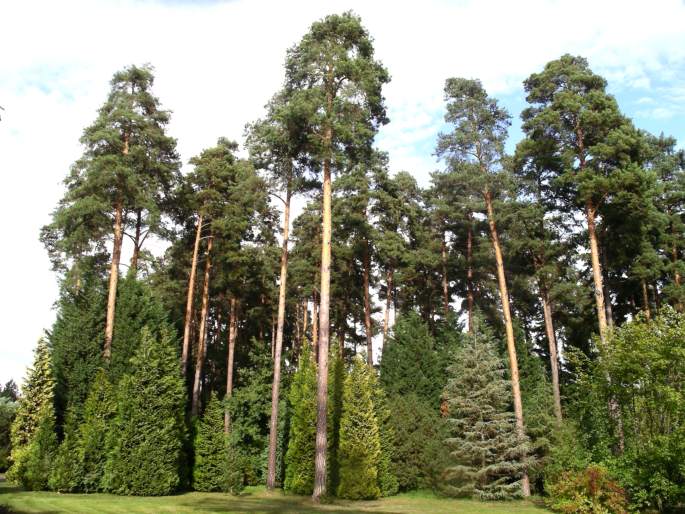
299, 458
360, 446
591, 491
147, 434
216, 467
66, 474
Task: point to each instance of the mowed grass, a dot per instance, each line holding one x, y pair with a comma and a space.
254, 500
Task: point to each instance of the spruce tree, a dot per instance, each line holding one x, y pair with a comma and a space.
360, 445
148, 432
299, 459
489, 456
216, 467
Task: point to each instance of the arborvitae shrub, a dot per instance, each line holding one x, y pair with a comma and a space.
216, 467
66, 472
147, 434
387, 481
33, 430
299, 458
360, 446
336, 382
488, 456
98, 416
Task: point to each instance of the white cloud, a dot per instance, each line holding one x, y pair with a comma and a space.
218, 63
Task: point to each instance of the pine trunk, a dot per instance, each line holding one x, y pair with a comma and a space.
137, 243
190, 298
645, 299
202, 336
324, 326
367, 306
509, 328
590, 212
232, 334
552, 342
275, 387
676, 273
469, 273
388, 303
315, 328
445, 282
113, 279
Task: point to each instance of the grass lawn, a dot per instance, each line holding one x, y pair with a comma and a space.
253, 501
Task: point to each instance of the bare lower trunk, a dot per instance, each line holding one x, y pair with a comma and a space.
137, 243
315, 328
596, 272
676, 273
232, 334
190, 298
388, 303
509, 328
469, 273
201, 346
324, 326
305, 316
445, 282
367, 306
113, 279
645, 299
273, 336
275, 387
553, 357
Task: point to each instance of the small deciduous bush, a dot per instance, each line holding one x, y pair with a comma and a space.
591, 491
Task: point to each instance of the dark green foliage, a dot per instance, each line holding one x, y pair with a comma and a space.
76, 341
8, 410
216, 467
136, 308
387, 481
10, 391
299, 459
410, 363
590, 491
418, 457
66, 472
488, 457
250, 409
360, 445
148, 432
97, 422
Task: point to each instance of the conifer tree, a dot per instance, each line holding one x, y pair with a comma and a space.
359, 453
124, 180
333, 75
388, 484
476, 149
94, 432
216, 467
65, 471
489, 456
299, 459
33, 430
148, 432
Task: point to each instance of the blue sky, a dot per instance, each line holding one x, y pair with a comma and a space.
217, 64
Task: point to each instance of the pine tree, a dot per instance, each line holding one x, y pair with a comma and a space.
33, 430
148, 432
99, 411
489, 456
299, 459
333, 75
216, 467
360, 443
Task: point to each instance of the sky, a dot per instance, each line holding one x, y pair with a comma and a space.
218, 62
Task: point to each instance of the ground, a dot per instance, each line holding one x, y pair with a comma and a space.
252, 501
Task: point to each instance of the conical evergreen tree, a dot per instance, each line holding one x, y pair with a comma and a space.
33, 430
360, 444
216, 467
65, 471
299, 459
387, 481
98, 415
489, 457
148, 432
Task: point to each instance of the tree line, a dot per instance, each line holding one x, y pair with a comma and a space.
252, 341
